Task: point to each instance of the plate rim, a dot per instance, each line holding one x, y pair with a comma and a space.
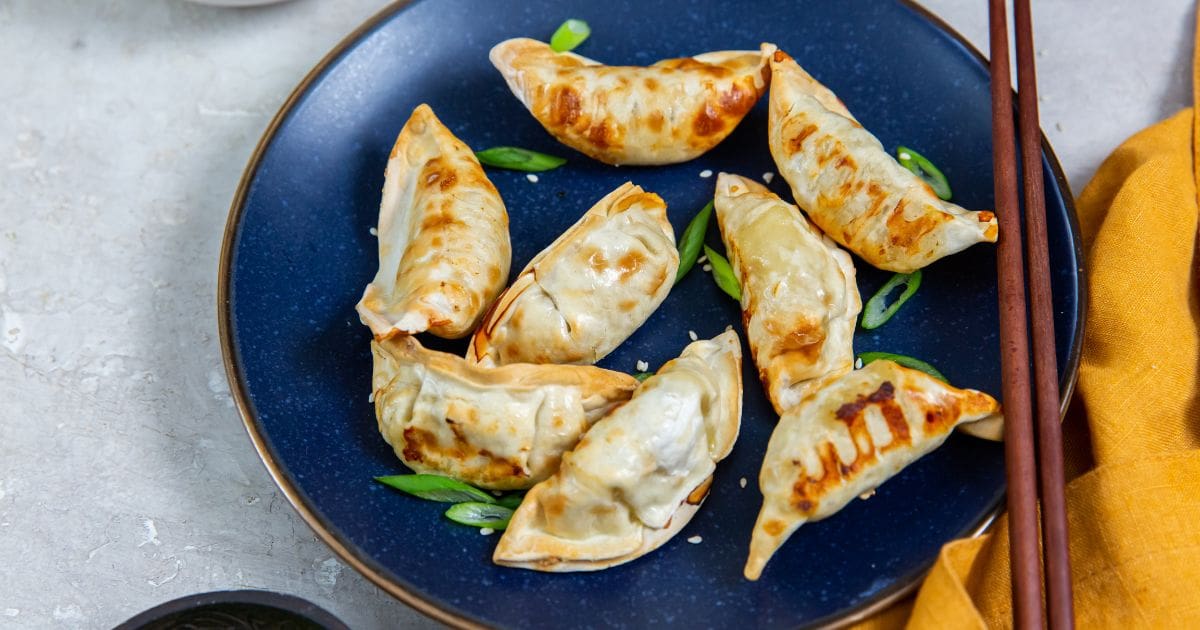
369, 567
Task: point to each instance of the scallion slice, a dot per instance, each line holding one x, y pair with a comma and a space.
436, 488
570, 35
480, 514
641, 376
518, 159
511, 501
723, 274
877, 311
692, 240
906, 361
923, 168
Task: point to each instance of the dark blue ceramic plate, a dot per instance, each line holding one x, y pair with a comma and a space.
298, 252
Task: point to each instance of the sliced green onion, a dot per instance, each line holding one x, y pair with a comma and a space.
906, 361
877, 311
480, 514
692, 240
511, 501
641, 376
518, 159
436, 488
923, 168
570, 35
723, 274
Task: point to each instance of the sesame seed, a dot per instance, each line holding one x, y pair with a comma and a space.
702, 259
373, 232
707, 267
768, 176
496, 493
742, 482
642, 366
486, 531
533, 179
905, 155
371, 397
695, 540
858, 364
692, 334
867, 495
706, 173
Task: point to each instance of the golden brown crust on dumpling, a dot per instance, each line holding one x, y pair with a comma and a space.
799, 299
589, 290
501, 428
669, 112
852, 188
444, 250
847, 439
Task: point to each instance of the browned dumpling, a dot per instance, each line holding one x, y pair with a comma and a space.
501, 428
852, 188
669, 112
444, 250
847, 439
589, 290
799, 300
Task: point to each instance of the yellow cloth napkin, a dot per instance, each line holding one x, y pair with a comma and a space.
1134, 515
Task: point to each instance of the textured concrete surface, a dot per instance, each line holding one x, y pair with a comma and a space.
126, 478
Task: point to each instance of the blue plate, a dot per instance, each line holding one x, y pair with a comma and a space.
298, 252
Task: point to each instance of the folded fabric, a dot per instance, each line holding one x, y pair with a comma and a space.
1134, 515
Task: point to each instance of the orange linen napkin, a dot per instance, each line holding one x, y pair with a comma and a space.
1132, 440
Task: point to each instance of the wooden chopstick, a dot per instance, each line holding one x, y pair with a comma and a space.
1014, 341
1060, 607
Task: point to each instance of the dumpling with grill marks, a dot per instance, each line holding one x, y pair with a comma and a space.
847, 439
665, 113
852, 188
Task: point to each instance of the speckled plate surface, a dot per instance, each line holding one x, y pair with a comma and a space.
298, 252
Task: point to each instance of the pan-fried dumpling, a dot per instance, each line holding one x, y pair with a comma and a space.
444, 252
799, 299
589, 290
853, 189
637, 476
669, 112
501, 428
849, 438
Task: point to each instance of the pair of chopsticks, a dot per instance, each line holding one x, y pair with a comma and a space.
1024, 470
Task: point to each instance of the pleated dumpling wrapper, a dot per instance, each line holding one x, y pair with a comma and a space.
852, 188
799, 299
847, 439
501, 428
589, 290
444, 250
637, 476
666, 113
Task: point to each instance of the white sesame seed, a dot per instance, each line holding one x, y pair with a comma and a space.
742, 482
768, 176
692, 334
706, 173
858, 364
702, 259
371, 397
496, 493
373, 232
486, 531
867, 495
905, 155
642, 366
707, 267
532, 178
695, 540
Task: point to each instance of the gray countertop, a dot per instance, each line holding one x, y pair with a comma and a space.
126, 478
